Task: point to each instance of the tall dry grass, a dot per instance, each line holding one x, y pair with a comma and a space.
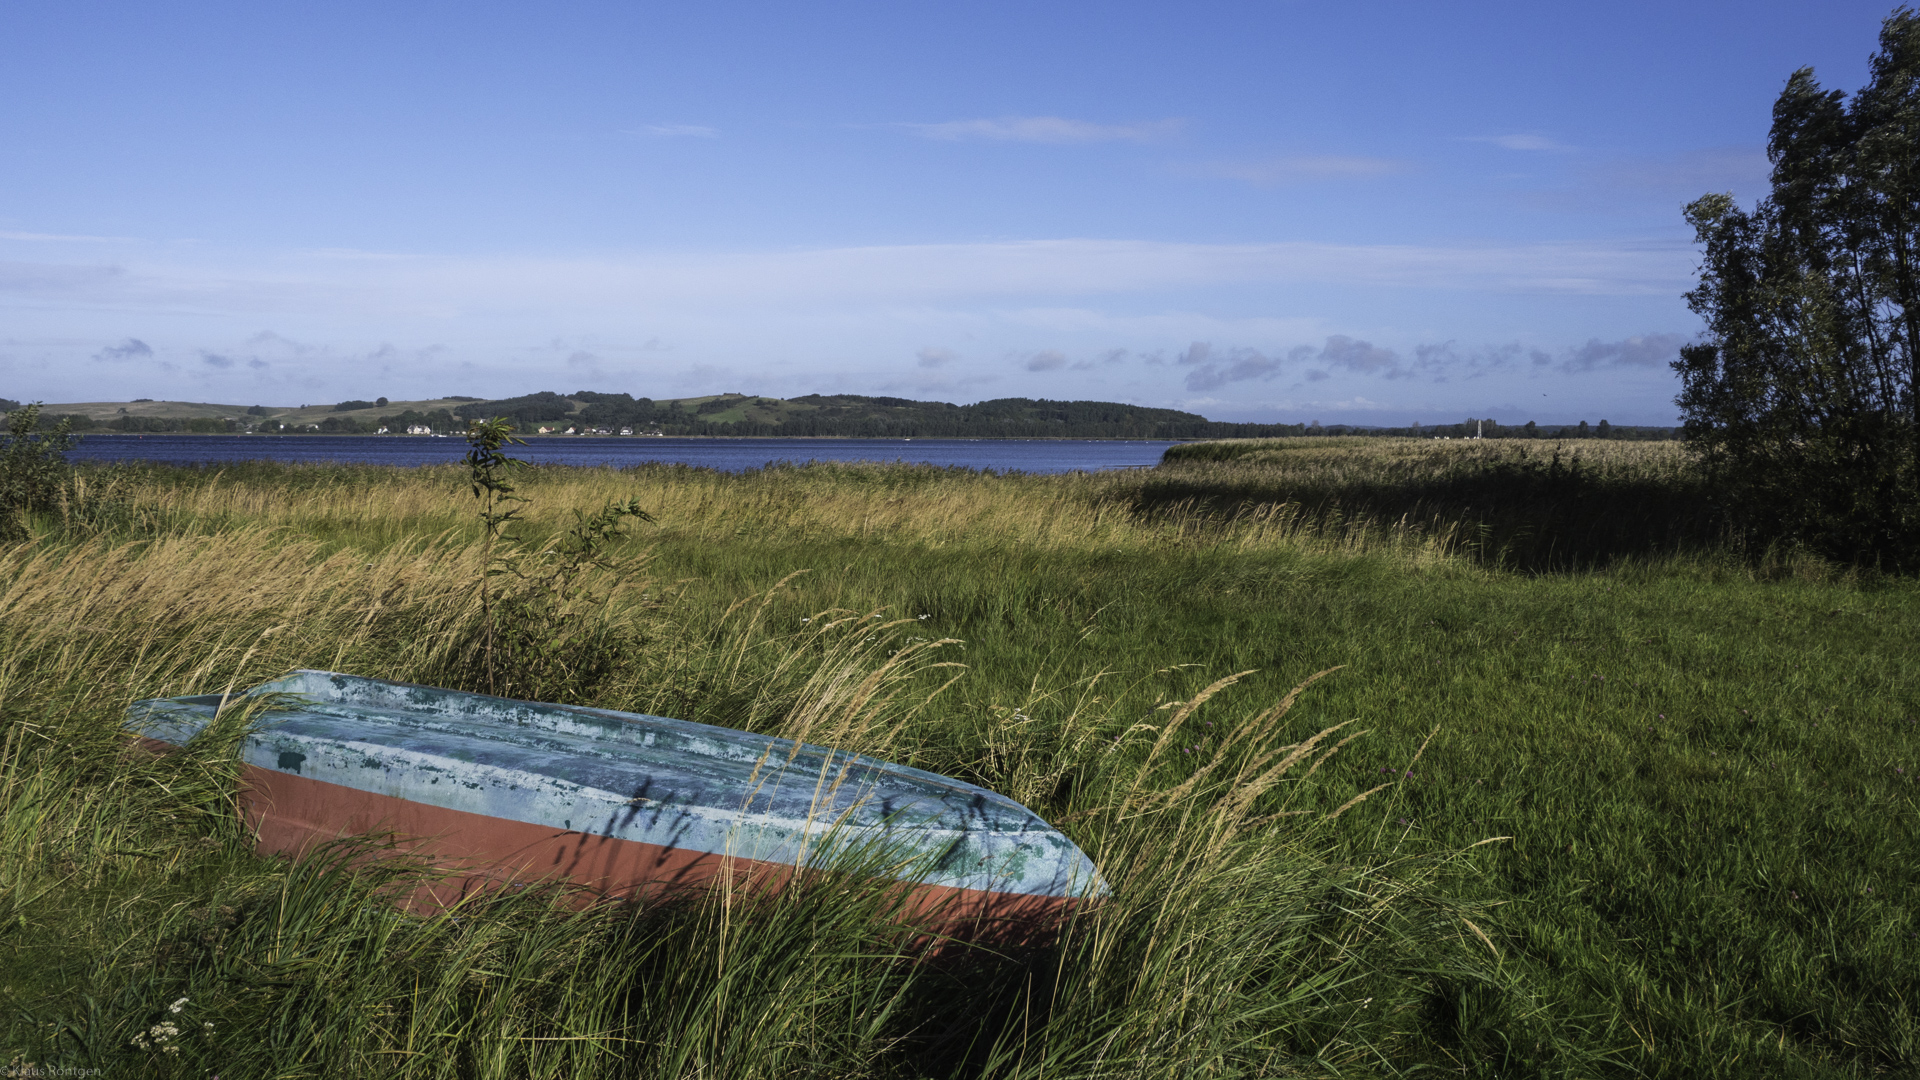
1533, 504
1234, 939
924, 506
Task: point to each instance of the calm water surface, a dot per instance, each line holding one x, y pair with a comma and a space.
727, 455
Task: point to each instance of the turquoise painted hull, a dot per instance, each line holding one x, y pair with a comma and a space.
648, 796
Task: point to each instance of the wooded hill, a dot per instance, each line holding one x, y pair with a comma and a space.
857, 416
815, 415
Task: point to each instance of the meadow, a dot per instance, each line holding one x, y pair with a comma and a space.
1480, 758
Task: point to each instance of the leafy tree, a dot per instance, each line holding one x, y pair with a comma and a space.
1802, 398
527, 410
147, 423
438, 420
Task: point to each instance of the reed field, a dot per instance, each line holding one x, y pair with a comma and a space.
1486, 758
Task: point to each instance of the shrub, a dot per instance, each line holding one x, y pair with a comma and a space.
34, 473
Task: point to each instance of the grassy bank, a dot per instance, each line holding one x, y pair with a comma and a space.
1701, 760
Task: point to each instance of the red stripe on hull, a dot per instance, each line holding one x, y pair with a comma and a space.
292, 814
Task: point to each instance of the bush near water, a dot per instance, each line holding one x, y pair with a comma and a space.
1638, 797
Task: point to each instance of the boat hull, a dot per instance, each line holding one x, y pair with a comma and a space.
502, 793
292, 816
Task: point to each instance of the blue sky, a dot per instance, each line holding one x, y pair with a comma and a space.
1351, 212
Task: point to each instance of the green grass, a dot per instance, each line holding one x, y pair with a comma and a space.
1701, 761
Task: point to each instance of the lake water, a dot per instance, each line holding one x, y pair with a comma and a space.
727, 455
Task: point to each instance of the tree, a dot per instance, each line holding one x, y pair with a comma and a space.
1802, 396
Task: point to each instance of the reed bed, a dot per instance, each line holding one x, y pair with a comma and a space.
1537, 505
1526, 504
923, 506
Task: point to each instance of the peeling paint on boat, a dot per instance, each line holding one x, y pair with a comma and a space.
340, 750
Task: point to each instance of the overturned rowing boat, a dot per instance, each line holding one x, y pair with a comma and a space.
623, 804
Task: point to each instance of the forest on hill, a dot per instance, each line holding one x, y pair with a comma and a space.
588, 412
859, 416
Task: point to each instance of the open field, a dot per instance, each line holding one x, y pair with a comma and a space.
293, 415
1642, 803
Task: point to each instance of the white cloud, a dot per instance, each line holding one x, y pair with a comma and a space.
1362, 357
657, 286
1213, 370
222, 361
1641, 350
1043, 129
801, 321
1442, 363
1284, 170
130, 349
1439, 362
